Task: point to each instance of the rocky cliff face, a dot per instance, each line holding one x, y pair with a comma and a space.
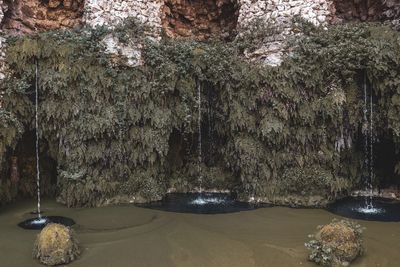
356, 10
278, 15
187, 18
104, 12
366, 10
27, 16
3, 9
392, 12
200, 19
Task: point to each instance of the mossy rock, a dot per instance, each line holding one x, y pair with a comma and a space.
56, 244
336, 244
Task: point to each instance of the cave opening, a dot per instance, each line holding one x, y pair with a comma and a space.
22, 169
200, 19
184, 149
27, 16
385, 160
383, 157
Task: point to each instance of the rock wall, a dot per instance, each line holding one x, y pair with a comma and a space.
278, 14
367, 10
3, 9
193, 19
282, 11
110, 13
200, 19
392, 13
212, 18
105, 12
27, 16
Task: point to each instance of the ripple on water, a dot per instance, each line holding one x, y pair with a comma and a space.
204, 200
369, 210
200, 203
355, 207
40, 223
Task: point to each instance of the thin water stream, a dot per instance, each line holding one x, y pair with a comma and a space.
40, 222
368, 145
200, 157
37, 137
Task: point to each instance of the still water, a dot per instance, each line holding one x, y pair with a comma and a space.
132, 236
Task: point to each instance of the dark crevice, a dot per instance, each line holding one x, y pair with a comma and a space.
22, 170
200, 20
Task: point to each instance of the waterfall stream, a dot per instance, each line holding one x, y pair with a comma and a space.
37, 136
200, 158
40, 221
368, 144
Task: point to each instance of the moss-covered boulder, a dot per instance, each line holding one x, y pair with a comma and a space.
336, 244
56, 244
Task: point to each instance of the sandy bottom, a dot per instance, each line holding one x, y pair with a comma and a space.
130, 236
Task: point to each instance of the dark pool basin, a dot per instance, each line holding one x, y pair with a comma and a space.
385, 210
201, 203
39, 223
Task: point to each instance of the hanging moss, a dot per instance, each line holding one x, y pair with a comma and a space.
10, 130
110, 127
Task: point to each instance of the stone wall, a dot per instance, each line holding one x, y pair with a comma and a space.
105, 12
356, 10
278, 14
110, 13
182, 18
192, 19
392, 13
211, 18
3, 9
200, 19
282, 11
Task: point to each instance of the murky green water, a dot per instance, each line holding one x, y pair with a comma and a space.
130, 236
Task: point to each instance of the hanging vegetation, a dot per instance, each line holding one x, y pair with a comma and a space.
290, 130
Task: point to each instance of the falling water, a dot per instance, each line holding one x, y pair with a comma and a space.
209, 125
37, 137
371, 154
368, 145
199, 160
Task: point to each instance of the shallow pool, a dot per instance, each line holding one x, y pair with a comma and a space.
132, 236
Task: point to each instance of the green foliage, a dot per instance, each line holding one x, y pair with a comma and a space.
312, 181
10, 131
109, 127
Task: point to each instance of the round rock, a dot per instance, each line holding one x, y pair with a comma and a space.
56, 244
